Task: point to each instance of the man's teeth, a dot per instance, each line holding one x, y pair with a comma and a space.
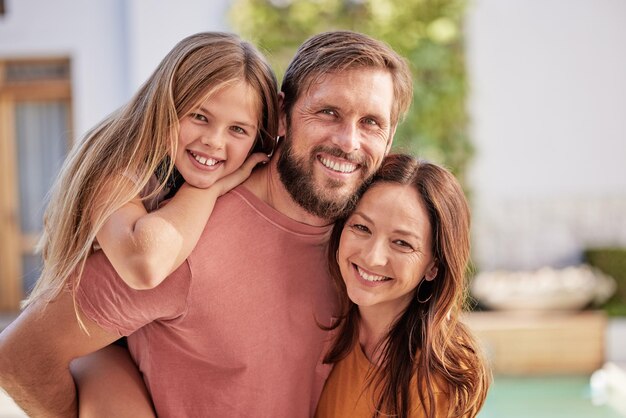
205, 161
370, 277
341, 167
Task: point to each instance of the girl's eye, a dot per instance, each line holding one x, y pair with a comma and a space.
198, 116
238, 129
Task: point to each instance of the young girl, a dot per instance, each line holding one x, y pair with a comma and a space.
189, 130
399, 262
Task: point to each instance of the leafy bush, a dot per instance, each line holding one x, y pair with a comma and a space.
611, 261
428, 33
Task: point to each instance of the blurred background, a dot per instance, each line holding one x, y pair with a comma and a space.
524, 100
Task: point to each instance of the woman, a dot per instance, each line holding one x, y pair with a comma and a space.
399, 262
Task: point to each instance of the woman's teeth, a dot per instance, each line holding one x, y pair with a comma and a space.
370, 277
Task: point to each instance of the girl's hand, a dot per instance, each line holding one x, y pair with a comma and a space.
238, 176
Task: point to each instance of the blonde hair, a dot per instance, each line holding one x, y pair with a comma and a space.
137, 139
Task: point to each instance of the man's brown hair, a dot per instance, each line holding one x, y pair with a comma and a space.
335, 51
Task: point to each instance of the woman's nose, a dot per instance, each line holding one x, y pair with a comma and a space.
375, 253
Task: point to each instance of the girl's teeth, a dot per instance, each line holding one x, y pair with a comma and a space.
204, 161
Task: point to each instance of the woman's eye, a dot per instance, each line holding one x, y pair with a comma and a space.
360, 228
198, 116
403, 244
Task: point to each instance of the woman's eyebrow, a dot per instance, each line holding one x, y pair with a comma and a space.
407, 233
399, 231
362, 215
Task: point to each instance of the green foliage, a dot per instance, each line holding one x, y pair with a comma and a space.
611, 261
427, 32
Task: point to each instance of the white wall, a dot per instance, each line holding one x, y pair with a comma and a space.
113, 44
157, 25
88, 32
548, 111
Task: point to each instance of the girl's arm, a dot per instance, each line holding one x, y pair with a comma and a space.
144, 248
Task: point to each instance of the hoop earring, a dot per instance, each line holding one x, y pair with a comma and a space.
274, 145
417, 294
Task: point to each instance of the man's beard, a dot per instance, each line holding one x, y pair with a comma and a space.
300, 183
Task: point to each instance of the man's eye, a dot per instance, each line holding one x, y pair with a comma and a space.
329, 112
370, 121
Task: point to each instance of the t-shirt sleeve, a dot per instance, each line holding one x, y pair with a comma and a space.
106, 299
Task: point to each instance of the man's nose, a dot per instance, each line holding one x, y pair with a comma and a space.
347, 138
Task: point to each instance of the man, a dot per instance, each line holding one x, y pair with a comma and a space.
235, 330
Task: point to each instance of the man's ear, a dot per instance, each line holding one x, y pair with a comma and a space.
282, 116
390, 140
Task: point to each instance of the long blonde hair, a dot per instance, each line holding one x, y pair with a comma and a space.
137, 139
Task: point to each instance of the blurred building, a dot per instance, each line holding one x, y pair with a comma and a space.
547, 106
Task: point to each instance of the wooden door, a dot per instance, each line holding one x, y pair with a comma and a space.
35, 121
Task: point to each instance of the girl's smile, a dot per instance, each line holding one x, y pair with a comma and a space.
216, 136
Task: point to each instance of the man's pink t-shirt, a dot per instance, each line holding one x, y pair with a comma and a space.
234, 331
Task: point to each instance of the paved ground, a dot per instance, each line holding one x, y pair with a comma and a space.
5, 319
8, 409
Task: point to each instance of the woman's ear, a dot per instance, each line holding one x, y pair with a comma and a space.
431, 271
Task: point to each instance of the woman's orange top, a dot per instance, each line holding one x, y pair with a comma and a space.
344, 395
